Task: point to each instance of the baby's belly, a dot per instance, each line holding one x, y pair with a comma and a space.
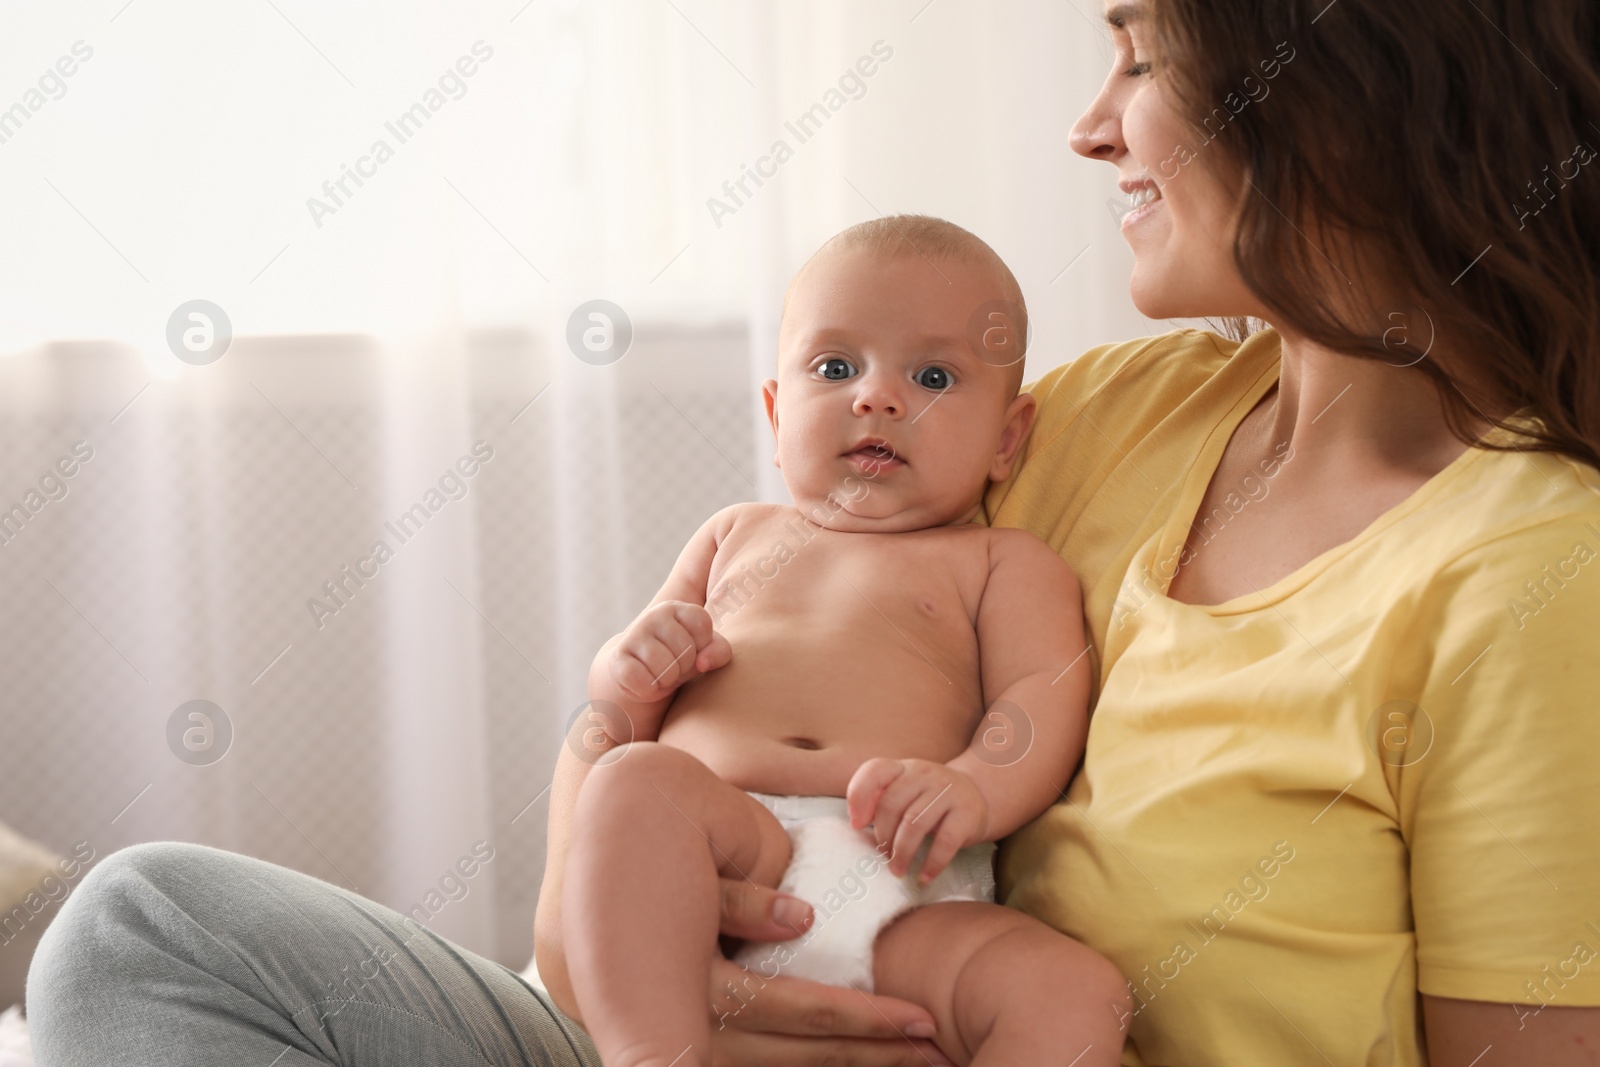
796, 717
760, 763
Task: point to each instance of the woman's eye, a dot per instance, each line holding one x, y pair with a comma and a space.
934, 378
1137, 69
836, 369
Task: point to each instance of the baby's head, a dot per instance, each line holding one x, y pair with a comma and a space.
904, 333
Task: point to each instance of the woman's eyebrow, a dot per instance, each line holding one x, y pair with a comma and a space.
1121, 14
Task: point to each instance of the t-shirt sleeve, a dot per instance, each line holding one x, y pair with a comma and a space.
1065, 391
1498, 793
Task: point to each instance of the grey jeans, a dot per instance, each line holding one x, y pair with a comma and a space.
187, 956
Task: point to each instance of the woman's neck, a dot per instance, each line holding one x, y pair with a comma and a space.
1351, 410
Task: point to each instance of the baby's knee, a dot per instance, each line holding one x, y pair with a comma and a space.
1095, 980
644, 765
1101, 982
1049, 970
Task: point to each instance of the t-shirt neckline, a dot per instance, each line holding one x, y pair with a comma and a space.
1197, 479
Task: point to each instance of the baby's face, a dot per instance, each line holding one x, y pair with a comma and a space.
886, 417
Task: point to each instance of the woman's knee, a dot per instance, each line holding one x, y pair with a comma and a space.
150, 862
154, 868
108, 907
96, 930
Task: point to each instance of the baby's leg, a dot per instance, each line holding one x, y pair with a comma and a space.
652, 832
1003, 987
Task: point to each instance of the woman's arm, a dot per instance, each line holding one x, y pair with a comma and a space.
1475, 1033
1503, 807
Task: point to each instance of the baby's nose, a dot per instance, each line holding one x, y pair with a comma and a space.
871, 400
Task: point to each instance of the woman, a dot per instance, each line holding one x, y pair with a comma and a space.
1341, 580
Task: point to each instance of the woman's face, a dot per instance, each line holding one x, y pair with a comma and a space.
1182, 240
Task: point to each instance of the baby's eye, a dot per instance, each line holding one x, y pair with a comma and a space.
936, 378
837, 369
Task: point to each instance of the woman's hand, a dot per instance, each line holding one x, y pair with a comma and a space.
793, 1022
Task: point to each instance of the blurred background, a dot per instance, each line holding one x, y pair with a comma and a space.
282, 281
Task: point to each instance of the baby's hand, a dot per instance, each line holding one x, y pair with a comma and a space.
670, 643
907, 799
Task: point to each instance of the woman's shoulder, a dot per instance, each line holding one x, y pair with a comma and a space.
1506, 558
1145, 381
1115, 431
1520, 517
1198, 349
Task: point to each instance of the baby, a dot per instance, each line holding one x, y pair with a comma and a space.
801, 703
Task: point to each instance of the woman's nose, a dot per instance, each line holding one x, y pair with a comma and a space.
1098, 132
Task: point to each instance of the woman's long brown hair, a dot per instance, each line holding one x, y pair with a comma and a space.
1456, 144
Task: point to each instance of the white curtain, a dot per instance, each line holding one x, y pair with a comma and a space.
379, 738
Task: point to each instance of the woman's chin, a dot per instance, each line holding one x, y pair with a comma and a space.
1156, 297
1152, 289
1183, 287
1153, 301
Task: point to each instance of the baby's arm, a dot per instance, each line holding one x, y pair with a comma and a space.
671, 642
1035, 690
1033, 656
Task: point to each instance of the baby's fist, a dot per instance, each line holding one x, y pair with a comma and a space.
670, 643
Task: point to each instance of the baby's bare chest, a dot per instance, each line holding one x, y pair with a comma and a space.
821, 584
845, 646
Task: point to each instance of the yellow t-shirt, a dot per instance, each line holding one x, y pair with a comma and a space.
1303, 806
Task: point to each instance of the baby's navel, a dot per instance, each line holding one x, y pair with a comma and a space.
801, 742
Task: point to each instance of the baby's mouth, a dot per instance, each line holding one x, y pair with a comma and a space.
874, 458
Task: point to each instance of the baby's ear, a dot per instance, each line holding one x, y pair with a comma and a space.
1013, 434
769, 399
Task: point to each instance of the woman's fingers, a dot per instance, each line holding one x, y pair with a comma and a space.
784, 1020
756, 913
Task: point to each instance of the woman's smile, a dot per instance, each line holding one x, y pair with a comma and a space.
1144, 197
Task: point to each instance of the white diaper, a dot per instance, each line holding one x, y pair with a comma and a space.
838, 870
